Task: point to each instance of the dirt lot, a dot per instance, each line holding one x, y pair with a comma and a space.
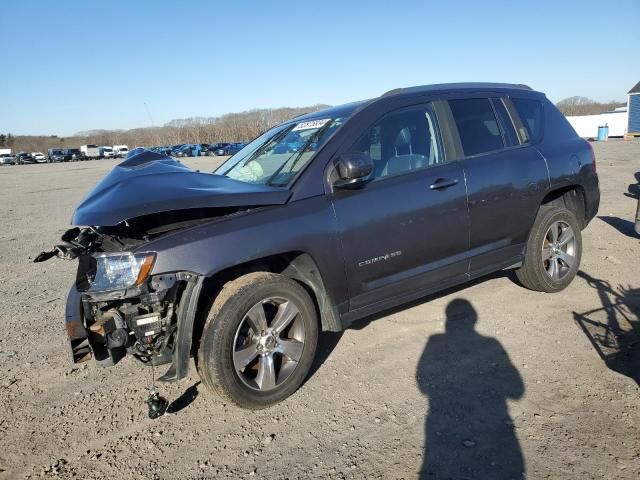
542, 385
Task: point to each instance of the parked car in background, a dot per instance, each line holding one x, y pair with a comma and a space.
174, 149
203, 151
230, 149
7, 159
90, 152
55, 155
188, 150
39, 157
214, 147
162, 150
106, 152
23, 158
120, 150
74, 154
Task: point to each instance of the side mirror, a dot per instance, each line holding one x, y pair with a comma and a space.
354, 170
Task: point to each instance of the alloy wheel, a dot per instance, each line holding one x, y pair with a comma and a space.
268, 343
558, 250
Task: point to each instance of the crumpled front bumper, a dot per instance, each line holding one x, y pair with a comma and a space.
82, 341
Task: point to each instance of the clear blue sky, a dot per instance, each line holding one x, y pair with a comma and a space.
70, 65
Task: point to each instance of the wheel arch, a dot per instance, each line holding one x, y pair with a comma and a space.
297, 265
571, 197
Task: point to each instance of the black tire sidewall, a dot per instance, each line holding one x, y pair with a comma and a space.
216, 347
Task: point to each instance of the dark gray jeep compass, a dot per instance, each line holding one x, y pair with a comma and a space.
322, 220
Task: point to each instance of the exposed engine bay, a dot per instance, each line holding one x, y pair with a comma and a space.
138, 316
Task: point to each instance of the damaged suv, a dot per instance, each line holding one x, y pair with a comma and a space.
324, 219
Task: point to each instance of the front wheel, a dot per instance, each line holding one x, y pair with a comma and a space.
554, 250
259, 340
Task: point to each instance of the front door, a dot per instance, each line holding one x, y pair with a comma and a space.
408, 230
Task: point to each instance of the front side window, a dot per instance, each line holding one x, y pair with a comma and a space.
276, 156
477, 125
402, 141
530, 112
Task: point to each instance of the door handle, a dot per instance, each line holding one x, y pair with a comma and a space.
443, 183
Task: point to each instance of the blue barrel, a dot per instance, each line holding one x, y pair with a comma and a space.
603, 133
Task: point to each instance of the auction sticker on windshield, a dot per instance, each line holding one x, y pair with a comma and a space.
311, 124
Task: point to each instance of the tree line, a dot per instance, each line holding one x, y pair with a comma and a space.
578, 106
231, 127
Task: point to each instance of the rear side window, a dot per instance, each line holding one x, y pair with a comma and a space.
530, 112
477, 125
510, 137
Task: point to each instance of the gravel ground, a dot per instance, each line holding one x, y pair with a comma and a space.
486, 381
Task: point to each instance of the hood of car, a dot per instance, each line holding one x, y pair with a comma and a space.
150, 183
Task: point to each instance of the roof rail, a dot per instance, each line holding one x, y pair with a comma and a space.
461, 86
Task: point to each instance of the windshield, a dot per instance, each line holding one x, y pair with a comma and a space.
276, 156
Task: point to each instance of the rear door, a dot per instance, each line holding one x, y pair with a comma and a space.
407, 230
504, 181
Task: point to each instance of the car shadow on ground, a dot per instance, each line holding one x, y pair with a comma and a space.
468, 378
626, 227
614, 329
328, 341
184, 400
364, 322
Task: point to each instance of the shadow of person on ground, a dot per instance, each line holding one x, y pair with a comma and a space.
614, 329
468, 379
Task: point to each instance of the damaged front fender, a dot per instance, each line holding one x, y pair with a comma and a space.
74, 324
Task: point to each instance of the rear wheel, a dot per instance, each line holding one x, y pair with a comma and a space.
554, 250
259, 340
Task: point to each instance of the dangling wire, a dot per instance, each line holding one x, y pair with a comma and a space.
157, 404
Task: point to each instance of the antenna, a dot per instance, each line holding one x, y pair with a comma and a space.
149, 113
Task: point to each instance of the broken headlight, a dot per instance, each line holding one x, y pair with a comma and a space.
116, 271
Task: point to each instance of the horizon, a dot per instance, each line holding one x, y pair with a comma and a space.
142, 71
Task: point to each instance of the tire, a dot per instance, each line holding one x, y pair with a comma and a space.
550, 265
637, 224
230, 339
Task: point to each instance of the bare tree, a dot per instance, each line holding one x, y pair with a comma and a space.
574, 106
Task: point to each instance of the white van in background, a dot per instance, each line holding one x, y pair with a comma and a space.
120, 150
90, 152
107, 152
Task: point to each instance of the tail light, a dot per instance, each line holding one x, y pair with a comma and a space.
593, 156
